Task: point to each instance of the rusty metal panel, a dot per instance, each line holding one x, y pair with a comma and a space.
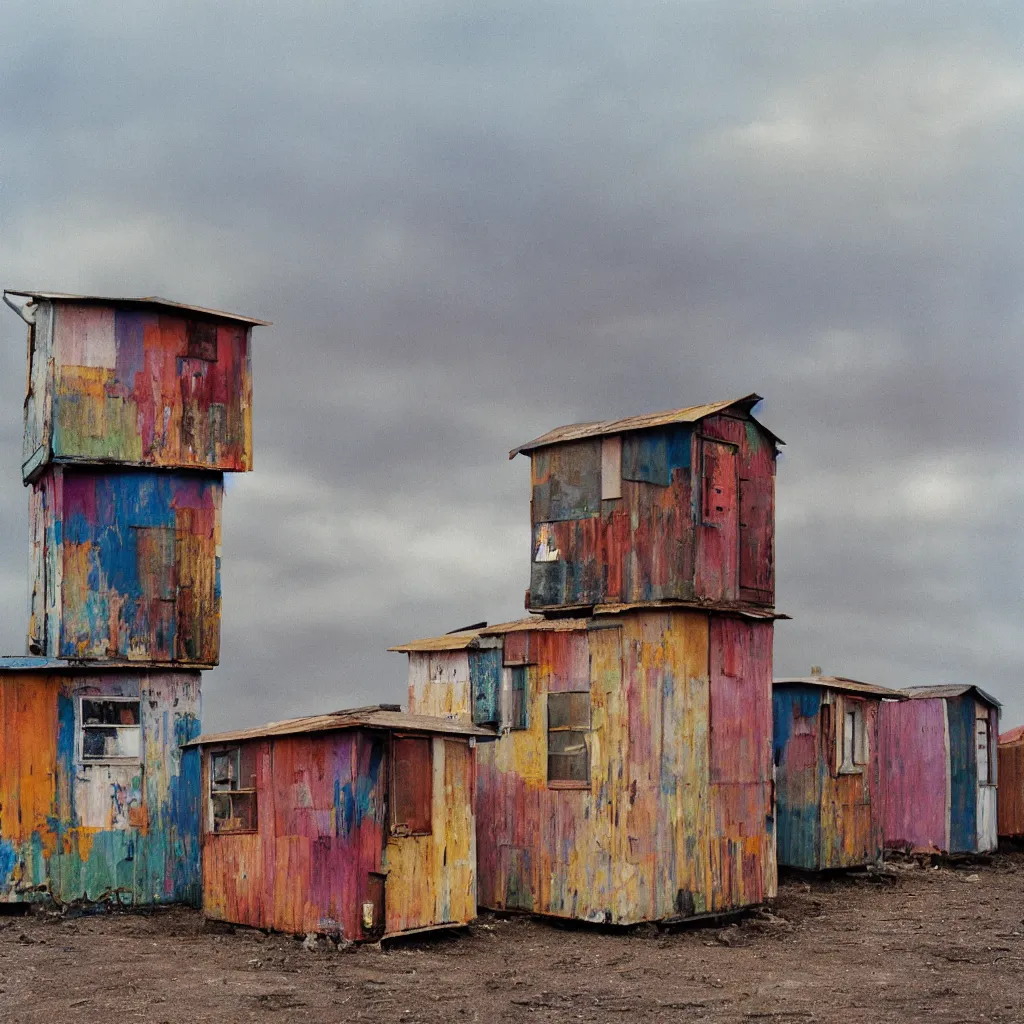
691, 414
1011, 789
516, 649
411, 783
718, 529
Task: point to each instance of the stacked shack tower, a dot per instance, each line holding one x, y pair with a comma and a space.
135, 409
631, 776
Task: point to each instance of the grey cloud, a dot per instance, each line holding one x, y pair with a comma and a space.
472, 222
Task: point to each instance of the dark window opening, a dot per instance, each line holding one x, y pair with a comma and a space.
202, 340
233, 789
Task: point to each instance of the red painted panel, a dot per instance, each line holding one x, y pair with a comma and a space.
413, 783
717, 532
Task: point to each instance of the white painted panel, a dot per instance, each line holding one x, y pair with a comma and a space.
988, 838
108, 795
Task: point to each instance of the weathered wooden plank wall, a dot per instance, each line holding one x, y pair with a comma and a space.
126, 564
324, 836
695, 518
85, 830
676, 819
138, 387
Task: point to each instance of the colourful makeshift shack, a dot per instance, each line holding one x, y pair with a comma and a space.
357, 824
939, 768
828, 800
97, 799
632, 777
1010, 794
676, 506
134, 410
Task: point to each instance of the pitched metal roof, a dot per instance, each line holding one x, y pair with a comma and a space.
375, 716
842, 684
149, 301
578, 431
469, 638
950, 690
1014, 735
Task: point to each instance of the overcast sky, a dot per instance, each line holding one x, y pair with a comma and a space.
473, 221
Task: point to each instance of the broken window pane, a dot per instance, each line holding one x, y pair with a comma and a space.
233, 789
109, 729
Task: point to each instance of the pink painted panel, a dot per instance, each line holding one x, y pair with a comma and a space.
914, 773
741, 700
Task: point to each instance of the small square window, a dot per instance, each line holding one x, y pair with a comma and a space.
110, 729
202, 340
233, 789
568, 747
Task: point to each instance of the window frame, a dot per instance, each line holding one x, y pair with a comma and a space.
82, 727
250, 792
986, 723
571, 727
859, 753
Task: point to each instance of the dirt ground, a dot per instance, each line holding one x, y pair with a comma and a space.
928, 944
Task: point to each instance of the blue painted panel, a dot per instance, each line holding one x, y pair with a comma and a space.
651, 456
799, 765
963, 785
485, 683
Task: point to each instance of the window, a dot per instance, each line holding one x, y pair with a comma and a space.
568, 725
233, 789
412, 785
611, 468
983, 746
853, 749
110, 729
201, 338
513, 692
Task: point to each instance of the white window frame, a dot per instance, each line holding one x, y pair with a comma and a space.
857, 748
81, 727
